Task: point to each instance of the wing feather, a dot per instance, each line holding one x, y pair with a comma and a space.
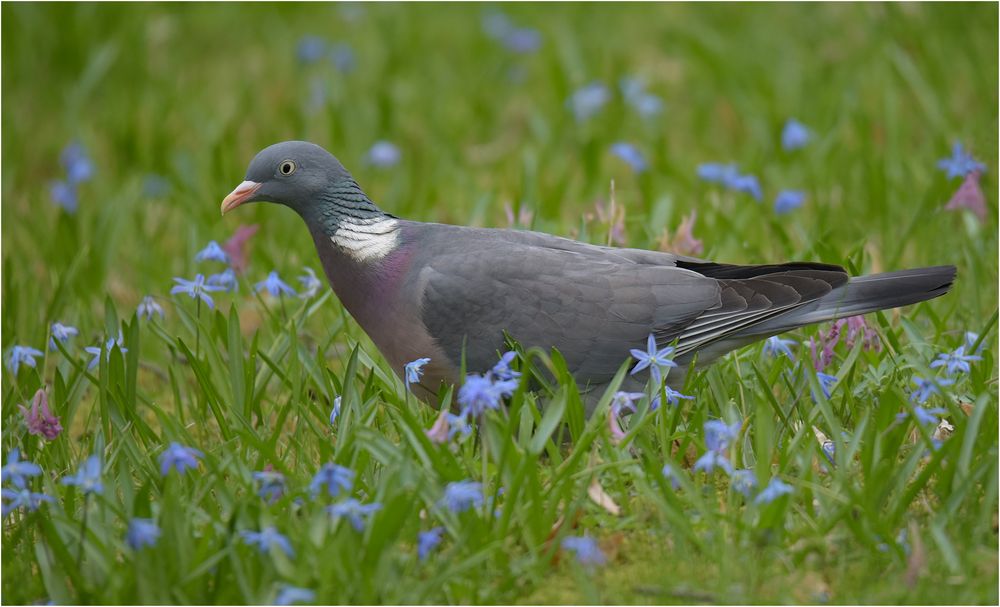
593, 303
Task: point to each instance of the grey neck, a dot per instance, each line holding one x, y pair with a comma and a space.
348, 219
343, 204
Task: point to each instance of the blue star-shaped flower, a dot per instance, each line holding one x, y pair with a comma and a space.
711, 460
970, 342
743, 481
775, 346
428, 541
225, 280
109, 345
631, 155
794, 135
586, 550
78, 166
829, 450
480, 393
22, 355
522, 40
17, 470
502, 370
274, 286
719, 435
88, 477
622, 401
310, 284
655, 359
383, 154
61, 333
775, 489
95, 351
960, 163
310, 49
826, 383
289, 595
588, 100
673, 397
64, 195
670, 473
413, 370
354, 511
928, 417
23, 498
272, 485
197, 289
335, 478
747, 184
927, 388
335, 412
955, 362
267, 539
788, 200
495, 23
178, 457
634, 91
212, 252
647, 105
342, 58
457, 424
141, 532
716, 172
459, 496
149, 307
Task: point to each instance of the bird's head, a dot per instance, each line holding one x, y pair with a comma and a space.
296, 174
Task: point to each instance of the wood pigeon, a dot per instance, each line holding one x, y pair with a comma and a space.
433, 290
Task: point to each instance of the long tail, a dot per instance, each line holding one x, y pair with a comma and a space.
865, 294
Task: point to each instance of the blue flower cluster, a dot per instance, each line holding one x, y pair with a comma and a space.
88, 479
478, 394
729, 176
954, 363
794, 136
200, 287
313, 49
79, 168
522, 40
646, 104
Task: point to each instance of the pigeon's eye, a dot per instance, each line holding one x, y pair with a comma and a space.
287, 167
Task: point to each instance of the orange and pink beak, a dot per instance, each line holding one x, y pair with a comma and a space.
243, 193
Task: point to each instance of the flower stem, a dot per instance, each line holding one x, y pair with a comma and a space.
197, 330
83, 530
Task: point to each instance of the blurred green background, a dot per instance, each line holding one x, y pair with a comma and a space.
191, 92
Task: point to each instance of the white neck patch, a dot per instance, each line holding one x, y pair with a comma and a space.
367, 240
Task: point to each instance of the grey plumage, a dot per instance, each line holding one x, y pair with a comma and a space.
441, 291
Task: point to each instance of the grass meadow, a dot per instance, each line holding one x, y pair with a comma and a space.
190, 456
